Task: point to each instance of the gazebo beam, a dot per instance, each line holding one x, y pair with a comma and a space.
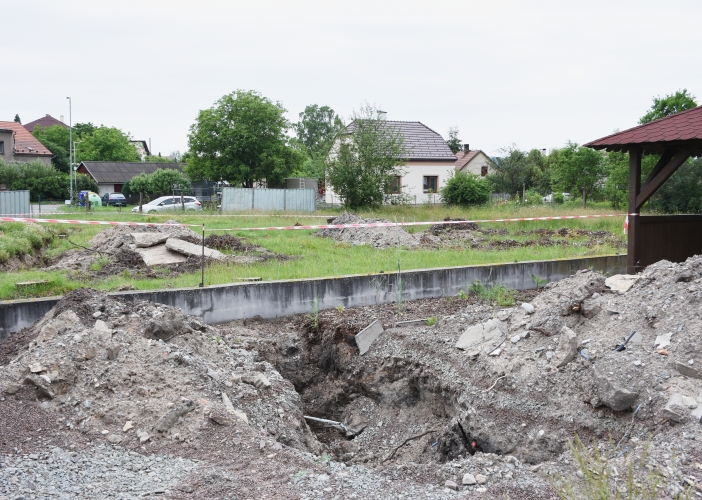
663, 175
634, 189
662, 162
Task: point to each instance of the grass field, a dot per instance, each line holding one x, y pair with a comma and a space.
316, 257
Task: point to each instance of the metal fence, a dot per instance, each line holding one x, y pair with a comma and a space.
14, 203
294, 200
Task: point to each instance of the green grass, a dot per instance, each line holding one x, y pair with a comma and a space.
319, 257
22, 239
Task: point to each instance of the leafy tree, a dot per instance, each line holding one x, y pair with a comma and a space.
140, 183
17, 119
578, 169
158, 159
682, 192
465, 189
616, 186
453, 141
670, 104
164, 180
364, 160
316, 131
106, 144
41, 180
242, 139
83, 129
511, 171
56, 139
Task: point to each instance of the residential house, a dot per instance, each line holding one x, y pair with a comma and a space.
17, 144
430, 162
47, 121
142, 148
112, 175
473, 161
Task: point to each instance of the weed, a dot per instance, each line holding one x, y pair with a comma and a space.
217, 340
324, 459
340, 307
237, 340
538, 280
431, 321
314, 316
495, 294
101, 262
462, 295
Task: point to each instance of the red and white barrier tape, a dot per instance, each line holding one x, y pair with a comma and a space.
90, 222
324, 226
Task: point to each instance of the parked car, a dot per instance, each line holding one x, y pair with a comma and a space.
169, 203
547, 199
114, 200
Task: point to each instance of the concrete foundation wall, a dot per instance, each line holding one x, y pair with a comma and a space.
271, 299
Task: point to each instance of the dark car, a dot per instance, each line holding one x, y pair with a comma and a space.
114, 200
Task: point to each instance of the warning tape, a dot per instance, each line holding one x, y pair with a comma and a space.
325, 226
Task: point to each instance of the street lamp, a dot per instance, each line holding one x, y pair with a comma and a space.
70, 149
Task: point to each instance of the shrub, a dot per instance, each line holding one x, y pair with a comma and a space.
558, 198
465, 190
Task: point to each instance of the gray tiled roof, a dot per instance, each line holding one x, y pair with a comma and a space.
421, 141
119, 172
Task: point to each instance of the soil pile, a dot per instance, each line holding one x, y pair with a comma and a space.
377, 237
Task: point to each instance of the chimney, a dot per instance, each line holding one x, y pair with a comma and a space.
382, 115
61, 118
466, 148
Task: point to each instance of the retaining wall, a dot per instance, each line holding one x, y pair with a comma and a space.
270, 299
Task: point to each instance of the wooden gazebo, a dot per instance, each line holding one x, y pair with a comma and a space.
675, 138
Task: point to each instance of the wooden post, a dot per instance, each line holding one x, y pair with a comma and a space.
202, 280
634, 190
141, 197
182, 201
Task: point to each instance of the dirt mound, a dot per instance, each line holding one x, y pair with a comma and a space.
112, 239
377, 237
138, 372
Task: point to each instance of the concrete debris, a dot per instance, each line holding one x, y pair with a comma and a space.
170, 418
613, 390
662, 341
377, 237
160, 256
451, 485
469, 479
145, 240
567, 347
366, 337
192, 250
621, 283
481, 335
528, 308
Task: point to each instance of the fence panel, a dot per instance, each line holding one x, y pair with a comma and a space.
300, 200
296, 200
269, 199
234, 199
14, 203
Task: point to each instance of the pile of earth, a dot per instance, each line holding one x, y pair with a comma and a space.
377, 237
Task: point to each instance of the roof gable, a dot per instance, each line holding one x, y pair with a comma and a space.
119, 172
24, 142
463, 158
421, 142
46, 121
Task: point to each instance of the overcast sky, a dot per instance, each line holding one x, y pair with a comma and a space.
535, 74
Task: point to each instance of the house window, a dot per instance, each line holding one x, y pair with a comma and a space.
431, 182
394, 185
2, 147
483, 171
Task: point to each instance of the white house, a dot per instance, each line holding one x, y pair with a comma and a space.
473, 161
430, 163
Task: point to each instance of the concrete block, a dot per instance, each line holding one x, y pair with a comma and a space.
145, 240
688, 370
480, 334
367, 336
192, 250
621, 282
160, 256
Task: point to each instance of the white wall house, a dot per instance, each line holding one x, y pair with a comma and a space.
473, 161
430, 163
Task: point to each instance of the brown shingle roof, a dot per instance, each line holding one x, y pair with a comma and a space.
421, 141
24, 143
119, 172
655, 136
464, 158
46, 121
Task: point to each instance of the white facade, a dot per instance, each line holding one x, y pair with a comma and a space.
478, 165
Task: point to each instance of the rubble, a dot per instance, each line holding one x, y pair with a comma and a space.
377, 237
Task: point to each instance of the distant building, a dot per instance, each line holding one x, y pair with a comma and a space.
473, 161
17, 144
142, 148
112, 175
47, 121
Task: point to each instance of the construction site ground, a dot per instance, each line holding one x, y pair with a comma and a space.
110, 399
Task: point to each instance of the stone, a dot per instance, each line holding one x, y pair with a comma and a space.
688, 370
220, 418
43, 388
612, 392
469, 480
160, 256
114, 438
480, 479
242, 416
675, 409
64, 321
97, 314
192, 250
169, 419
366, 337
101, 326
227, 403
636, 338
662, 340
36, 367
528, 308
12, 389
567, 347
451, 485
113, 352
143, 436
89, 354
261, 381
691, 403
145, 240
480, 334
128, 425
515, 339
496, 352
621, 283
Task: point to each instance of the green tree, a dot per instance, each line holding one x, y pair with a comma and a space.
83, 130
56, 139
454, 143
164, 180
106, 144
616, 186
41, 180
158, 159
670, 104
465, 189
363, 161
579, 170
316, 131
242, 139
511, 172
17, 119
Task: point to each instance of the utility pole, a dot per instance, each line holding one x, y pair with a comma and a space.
70, 149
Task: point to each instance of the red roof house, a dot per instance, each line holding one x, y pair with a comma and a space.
47, 121
17, 144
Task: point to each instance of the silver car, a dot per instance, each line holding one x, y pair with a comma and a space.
169, 203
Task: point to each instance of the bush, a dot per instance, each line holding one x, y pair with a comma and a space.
532, 197
41, 180
558, 198
465, 190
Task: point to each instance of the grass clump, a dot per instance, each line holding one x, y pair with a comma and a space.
494, 294
18, 239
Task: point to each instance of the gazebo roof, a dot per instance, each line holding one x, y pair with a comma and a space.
678, 130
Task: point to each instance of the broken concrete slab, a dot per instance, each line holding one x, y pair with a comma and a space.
145, 240
192, 250
64, 321
481, 334
612, 392
367, 336
675, 408
411, 322
662, 341
688, 370
160, 256
567, 347
621, 283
